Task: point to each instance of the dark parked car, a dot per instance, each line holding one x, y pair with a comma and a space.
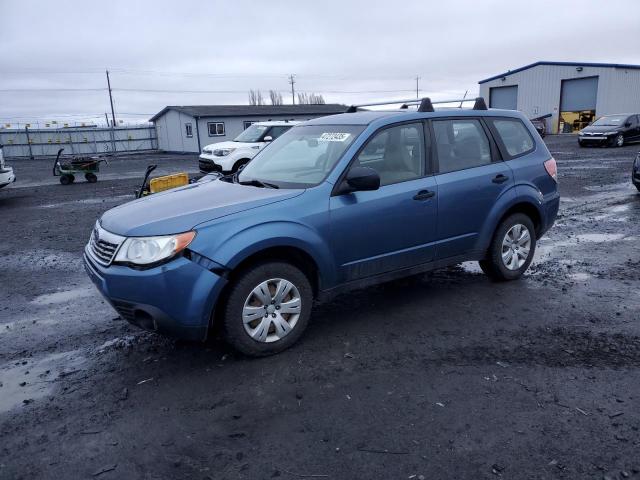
611, 130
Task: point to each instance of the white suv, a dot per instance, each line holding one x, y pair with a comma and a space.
228, 157
6, 173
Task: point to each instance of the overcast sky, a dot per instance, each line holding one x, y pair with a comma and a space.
168, 52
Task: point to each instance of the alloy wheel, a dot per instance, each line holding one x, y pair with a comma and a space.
271, 310
516, 246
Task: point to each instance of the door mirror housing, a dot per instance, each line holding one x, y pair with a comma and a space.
268, 138
361, 179
627, 124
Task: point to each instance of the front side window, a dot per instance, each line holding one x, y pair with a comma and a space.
252, 134
514, 135
216, 129
302, 157
396, 153
460, 144
275, 132
188, 129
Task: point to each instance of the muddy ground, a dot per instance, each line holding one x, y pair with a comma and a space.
445, 375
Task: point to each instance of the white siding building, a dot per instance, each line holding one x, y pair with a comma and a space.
573, 93
190, 128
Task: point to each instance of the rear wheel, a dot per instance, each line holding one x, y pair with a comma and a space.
512, 248
91, 177
267, 308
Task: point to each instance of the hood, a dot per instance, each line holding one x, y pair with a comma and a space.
600, 129
180, 210
215, 146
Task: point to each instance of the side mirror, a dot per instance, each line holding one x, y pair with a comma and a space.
268, 138
627, 124
362, 179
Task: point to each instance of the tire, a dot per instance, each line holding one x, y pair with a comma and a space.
495, 265
257, 335
239, 164
580, 144
91, 177
618, 141
66, 179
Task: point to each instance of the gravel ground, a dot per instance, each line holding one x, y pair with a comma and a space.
444, 375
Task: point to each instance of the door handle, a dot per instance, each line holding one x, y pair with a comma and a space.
424, 195
500, 178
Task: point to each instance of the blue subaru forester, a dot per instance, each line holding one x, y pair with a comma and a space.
336, 203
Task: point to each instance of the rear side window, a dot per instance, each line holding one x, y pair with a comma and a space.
461, 144
514, 135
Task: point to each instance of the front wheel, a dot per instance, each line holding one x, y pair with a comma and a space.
267, 308
512, 248
618, 141
91, 177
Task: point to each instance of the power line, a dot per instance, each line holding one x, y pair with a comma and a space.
17, 90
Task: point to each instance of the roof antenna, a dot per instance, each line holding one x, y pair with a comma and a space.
463, 98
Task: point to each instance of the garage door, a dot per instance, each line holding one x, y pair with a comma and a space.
579, 94
504, 97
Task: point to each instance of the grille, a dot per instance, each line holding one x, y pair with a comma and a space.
103, 245
209, 166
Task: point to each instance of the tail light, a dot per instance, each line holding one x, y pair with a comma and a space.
551, 168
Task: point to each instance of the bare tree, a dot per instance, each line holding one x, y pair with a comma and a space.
310, 99
255, 97
276, 97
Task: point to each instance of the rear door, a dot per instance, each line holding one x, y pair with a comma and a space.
471, 176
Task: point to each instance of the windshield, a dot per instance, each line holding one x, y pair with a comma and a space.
610, 121
251, 134
301, 157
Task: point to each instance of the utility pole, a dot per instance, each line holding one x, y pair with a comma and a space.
417, 87
113, 115
292, 81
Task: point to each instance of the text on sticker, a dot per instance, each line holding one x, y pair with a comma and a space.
333, 137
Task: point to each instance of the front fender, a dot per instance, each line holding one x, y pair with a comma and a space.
518, 194
231, 250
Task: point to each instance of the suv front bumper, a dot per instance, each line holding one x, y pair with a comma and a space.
7, 176
176, 299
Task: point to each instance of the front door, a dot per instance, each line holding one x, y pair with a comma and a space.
469, 183
394, 227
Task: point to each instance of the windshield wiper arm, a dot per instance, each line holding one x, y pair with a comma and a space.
259, 183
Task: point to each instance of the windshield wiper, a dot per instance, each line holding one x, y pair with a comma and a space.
258, 183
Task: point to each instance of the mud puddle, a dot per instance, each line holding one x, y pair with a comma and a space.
25, 380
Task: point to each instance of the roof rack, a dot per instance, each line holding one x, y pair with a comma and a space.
426, 105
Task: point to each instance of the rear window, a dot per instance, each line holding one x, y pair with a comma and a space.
515, 136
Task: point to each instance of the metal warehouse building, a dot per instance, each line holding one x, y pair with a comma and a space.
190, 128
573, 93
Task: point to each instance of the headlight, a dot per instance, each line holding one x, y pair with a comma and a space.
148, 250
223, 152
609, 133
580, 134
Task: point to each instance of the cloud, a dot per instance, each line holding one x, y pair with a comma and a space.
163, 52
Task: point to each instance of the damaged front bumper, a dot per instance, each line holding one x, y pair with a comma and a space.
176, 299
